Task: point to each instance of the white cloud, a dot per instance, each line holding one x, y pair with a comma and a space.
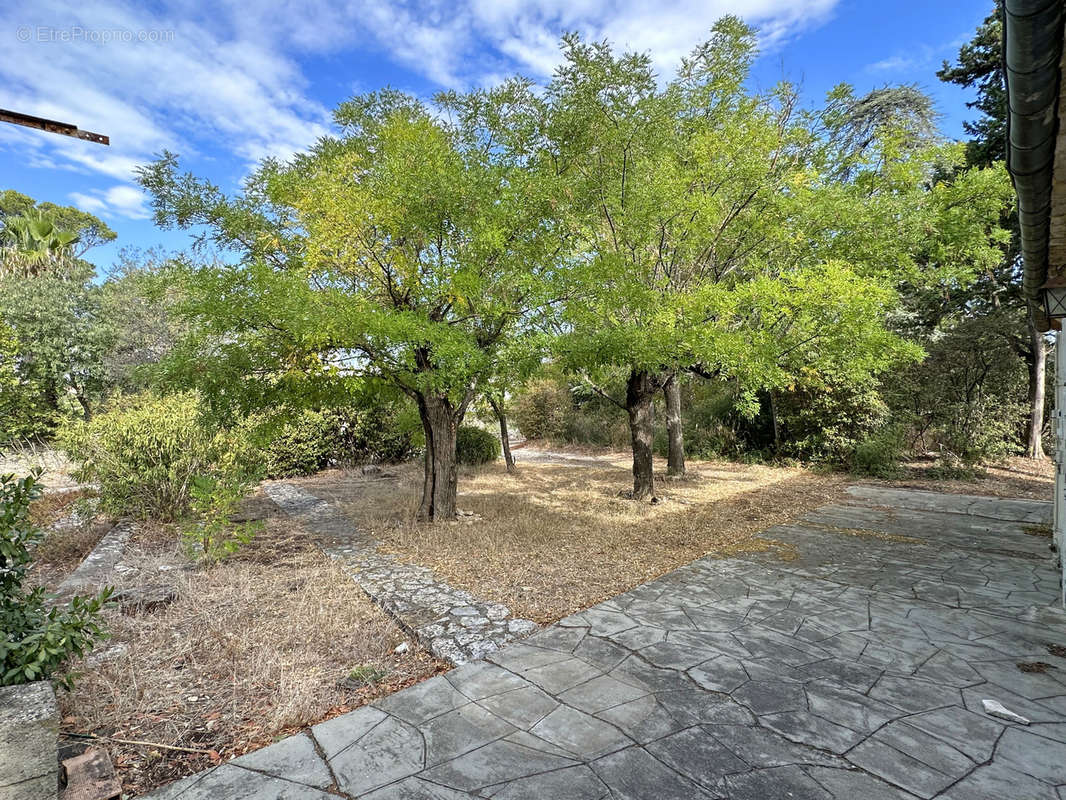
919, 58
227, 76
894, 64
197, 87
529, 32
118, 201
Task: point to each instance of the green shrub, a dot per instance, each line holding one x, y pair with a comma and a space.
824, 418
212, 537
980, 431
967, 402
146, 452
474, 446
543, 410
35, 640
879, 455
303, 446
950, 469
598, 423
377, 432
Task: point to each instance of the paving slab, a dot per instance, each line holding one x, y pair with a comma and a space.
856, 668
294, 759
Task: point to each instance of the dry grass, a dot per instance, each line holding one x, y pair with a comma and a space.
48, 508
258, 647
21, 457
557, 538
1015, 477
252, 649
66, 546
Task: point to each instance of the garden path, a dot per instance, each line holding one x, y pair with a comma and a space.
451, 623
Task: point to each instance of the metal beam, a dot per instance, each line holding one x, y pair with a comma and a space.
51, 126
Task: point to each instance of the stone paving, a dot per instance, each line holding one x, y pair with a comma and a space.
95, 571
847, 656
449, 622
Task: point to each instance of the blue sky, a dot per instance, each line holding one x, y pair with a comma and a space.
224, 84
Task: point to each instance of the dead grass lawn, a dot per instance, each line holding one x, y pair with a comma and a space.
1015, 477
554, 539
66, 546
19, 459
252, 649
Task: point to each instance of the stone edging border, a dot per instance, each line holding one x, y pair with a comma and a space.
451, 623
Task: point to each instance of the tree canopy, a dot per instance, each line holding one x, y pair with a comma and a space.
407, 250
723, 232
647, 227
52, 342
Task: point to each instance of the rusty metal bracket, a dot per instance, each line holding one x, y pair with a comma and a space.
50, 125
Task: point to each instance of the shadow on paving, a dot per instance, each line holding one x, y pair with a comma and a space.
856, 669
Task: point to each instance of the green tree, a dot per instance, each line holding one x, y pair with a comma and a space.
68, 221
49, 302
966, 401
708, 233
405, 250
980, 66
138, 314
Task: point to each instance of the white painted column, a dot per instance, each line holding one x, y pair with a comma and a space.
1060, 457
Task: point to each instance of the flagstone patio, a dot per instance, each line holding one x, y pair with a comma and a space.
846, 656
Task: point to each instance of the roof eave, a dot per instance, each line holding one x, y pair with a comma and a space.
1032, 55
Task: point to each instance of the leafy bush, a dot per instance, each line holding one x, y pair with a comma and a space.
147, 451
475, 446
377, 432
967, 402
708, 411
303, 446
879, 455
824, 417
36, 640
543, 409
213, 537
949, 469
979, 431
599, 424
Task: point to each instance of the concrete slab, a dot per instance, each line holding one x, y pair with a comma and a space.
29, 732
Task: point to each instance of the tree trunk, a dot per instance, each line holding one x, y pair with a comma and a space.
676, 452
640, 390
86, 408
1037, 363
776, 423
440, 423
505, 436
